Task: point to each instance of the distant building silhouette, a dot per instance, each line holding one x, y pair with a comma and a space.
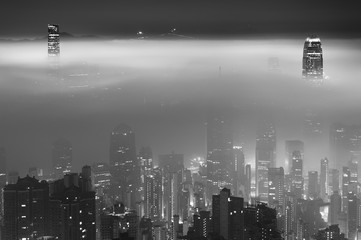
313, 187
62, 156
291, 146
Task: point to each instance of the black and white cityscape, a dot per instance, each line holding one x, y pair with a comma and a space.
180, 120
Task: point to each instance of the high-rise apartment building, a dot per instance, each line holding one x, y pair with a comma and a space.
227, 215
265, 157
26, 209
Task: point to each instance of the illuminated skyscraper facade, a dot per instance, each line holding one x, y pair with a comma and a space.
265, 157
324, 179
62, 155
296, 174
220, 158
312, 64
276, 189
125, 167
53, 40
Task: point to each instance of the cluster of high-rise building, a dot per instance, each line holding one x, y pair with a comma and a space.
131, 197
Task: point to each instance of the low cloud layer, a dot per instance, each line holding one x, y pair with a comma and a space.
162, 89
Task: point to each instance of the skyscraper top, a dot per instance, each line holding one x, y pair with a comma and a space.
313, 38
53, 40
312, 63
122, 129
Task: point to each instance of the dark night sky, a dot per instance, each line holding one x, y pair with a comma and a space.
27, 18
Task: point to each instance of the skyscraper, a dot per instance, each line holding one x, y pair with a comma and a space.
297, 174
153, 194
345, 185
248, 183
62, 155
227, 215
291, 146
334, 180
2, 177
312, 63
276, 194
124, 164
335, 208
324, 179
265, 157
220, 163
53, 40
353, 206
172, 166
345, 143
146, 160
239, 172
313, 185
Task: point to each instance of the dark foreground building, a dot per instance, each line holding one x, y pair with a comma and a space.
26, 209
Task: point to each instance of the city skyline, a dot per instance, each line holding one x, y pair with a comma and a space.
168, 120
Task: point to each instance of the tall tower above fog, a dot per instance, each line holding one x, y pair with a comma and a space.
53, 40
312, 63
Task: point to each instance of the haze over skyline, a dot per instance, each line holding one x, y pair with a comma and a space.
162, 89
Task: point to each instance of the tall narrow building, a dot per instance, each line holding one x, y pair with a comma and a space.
227, 215
312, 62
220, 159
313, 192
62, 155
291, 146
124, 164
324, 179
297, 175
276, 189
346, 175
265, 157
53, 40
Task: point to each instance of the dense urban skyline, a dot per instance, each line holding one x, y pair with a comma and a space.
141, 120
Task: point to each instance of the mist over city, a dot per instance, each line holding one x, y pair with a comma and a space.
180, 120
